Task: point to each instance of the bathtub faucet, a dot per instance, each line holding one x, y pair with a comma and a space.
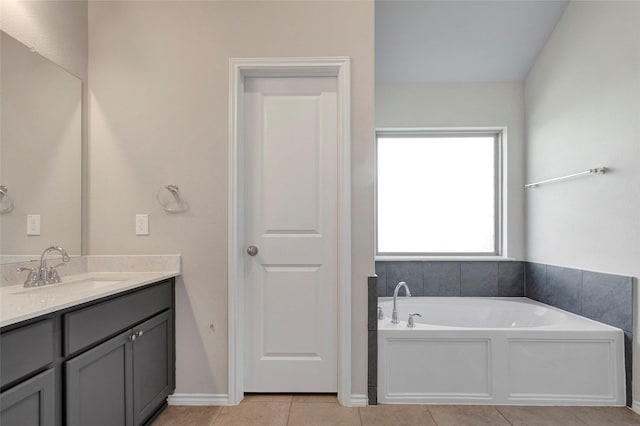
394, 314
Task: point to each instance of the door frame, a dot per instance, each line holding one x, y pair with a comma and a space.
239, 69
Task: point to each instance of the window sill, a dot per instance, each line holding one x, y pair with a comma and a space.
443, 258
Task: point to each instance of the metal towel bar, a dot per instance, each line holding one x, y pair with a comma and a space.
597, 170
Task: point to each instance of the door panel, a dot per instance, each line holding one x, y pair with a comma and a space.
291, 216
302, 285
99, 385
287, 117
31, 403
152, 378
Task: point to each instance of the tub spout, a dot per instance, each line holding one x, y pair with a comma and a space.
394, 314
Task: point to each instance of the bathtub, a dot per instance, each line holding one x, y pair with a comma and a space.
511, 351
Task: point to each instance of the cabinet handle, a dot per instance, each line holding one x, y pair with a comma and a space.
133, 337
140, 333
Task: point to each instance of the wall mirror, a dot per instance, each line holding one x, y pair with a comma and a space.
40, 154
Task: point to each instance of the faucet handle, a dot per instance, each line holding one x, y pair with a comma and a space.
32, 278
380, 313
411, 322
53, 275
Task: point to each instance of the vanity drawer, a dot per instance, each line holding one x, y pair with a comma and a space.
25, 350
97, 322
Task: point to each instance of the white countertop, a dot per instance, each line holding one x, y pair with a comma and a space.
18, 303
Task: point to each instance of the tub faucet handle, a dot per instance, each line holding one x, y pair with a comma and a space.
411, 322
380, 313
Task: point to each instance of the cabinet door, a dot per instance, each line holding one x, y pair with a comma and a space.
31, 403
152, 365
99, 385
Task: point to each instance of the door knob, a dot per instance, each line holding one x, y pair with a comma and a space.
252, 250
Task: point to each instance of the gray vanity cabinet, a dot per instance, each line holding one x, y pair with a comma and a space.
124, 380
108, 362
31, 403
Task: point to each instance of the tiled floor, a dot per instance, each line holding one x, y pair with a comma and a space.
324, 410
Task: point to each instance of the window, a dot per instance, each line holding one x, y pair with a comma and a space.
438, 193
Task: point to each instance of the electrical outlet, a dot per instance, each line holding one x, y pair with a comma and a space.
142, 224
33, 224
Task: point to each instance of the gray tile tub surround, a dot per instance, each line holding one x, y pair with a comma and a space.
441, 278
608, 299
372, 340
449, 278
602, 297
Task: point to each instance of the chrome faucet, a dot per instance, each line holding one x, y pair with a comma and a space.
394, 314
50, 276
42, 276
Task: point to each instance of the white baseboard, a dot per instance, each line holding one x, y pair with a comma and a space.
635, 406
205, 399
359, 400
198, 399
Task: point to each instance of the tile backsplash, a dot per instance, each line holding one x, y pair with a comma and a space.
443, 278
602, 297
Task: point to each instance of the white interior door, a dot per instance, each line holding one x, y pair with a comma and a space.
291, 188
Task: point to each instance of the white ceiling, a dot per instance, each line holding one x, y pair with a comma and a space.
455, 41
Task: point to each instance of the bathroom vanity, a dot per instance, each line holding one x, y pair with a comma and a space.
100, 351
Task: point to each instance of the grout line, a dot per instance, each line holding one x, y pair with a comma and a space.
497, 408
431, 415
289, 412
215, 418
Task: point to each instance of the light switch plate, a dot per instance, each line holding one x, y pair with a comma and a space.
142, 224
33, 224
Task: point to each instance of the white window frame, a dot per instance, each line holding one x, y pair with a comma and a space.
500, 134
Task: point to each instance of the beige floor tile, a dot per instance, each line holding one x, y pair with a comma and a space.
315, 397
254, 414
181, 415
396, 415
322, 414
466, 415
604, 416
266, 397
540, 416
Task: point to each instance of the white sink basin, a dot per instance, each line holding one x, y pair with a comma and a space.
85, 284
94, 283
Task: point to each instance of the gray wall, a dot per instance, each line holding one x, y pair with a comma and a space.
159, 115
583, 111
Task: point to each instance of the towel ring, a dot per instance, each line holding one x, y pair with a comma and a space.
6, 203
170, 199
